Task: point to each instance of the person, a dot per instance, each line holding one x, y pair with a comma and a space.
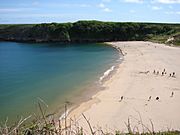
154, 72
157, 98
162, 73
173, 75
149, 98
121, 99
164, 70
170, 75
172, 94
157, 72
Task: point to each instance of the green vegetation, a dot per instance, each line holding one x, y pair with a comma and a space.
90, 31
43, 124
57, 127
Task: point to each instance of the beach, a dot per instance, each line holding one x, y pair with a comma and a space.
136, 96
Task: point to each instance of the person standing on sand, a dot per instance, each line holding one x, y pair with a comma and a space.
173, 75
157, 72
172, 94
162, 73
149, 98
157, 98
121, 99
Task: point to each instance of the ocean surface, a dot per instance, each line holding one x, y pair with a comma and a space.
52, 72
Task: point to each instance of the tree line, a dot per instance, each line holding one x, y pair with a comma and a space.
85, 31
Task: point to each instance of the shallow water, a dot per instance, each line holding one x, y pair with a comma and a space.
51, 71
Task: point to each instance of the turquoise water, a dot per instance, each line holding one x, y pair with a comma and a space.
53, 72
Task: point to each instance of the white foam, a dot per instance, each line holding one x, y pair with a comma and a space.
120, 59
106, 74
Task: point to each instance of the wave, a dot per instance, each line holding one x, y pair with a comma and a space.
120, 59
106, 74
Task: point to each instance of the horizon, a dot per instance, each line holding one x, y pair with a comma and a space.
173, 23
61, 11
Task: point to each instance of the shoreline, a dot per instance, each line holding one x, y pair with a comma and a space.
97, 86
101, 110
85, 103
79, 91
86, 93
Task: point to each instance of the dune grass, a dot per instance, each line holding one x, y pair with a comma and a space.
43, 125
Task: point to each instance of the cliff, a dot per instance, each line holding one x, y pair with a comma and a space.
85, 31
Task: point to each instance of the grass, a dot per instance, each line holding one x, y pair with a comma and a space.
163, 38
42, 125
159, 38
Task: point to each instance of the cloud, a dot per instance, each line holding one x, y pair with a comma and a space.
12, 10
172, 13
167, 1
106, 0
104, 8
67, 5
43, 15
101, 5
134, 1
156, 8
56, 5
107, 10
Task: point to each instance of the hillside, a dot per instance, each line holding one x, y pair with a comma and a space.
89, 31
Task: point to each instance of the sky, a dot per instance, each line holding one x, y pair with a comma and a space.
46, 11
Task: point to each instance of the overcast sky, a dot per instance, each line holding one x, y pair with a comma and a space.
39, 11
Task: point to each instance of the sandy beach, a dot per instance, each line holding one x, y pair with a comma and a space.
136, 93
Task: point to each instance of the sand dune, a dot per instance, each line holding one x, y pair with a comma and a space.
136, 82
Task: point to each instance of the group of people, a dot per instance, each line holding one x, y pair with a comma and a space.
164, 73
157, 73
150, 97
157, 98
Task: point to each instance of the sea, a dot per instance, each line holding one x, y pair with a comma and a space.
50, 75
